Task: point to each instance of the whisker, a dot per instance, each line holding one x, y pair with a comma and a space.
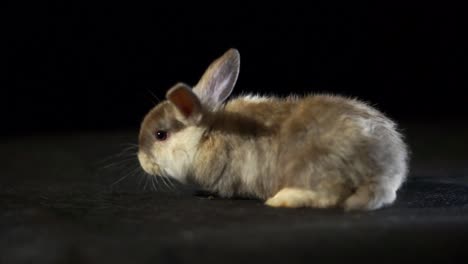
130, 145
146, 182
161, 177
123, 163
142, 177
156, 179
154, 96
134, 171
154, 186
171, 182
121, 153
128, 173
119, 180
168, 183
118, 163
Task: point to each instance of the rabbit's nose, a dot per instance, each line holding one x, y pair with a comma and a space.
144, 161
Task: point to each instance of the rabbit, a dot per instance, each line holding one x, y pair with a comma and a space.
319, 151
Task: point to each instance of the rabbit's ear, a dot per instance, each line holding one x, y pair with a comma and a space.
188, 104
219, 79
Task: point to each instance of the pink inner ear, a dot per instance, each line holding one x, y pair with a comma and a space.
184, 100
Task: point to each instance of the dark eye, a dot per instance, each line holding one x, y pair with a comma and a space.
161, 135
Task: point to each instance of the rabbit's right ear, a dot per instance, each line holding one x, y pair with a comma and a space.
219, 79
186, 102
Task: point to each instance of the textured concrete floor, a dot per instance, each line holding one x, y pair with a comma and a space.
58, 204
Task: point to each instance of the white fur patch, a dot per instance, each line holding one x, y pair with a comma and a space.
367, 125
175, 155
249, 170
255, 98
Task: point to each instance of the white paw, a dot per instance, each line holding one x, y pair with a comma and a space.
294, 198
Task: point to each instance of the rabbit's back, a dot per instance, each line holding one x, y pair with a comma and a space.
318, 141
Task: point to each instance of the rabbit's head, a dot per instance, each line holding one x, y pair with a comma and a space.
171, 131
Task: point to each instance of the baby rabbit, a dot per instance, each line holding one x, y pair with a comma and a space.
317, 151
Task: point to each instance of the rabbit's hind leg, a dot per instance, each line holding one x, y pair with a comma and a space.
370, 197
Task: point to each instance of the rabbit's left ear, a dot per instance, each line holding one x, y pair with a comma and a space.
186, 102
219, 79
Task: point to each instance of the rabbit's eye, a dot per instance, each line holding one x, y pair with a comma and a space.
161, 135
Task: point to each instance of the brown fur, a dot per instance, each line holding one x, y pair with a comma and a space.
242, 122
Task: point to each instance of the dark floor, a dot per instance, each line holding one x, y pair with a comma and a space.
58, 204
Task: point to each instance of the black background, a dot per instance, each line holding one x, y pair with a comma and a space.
73, 73
71, 65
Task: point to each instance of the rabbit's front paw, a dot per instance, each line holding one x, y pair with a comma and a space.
294, 198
